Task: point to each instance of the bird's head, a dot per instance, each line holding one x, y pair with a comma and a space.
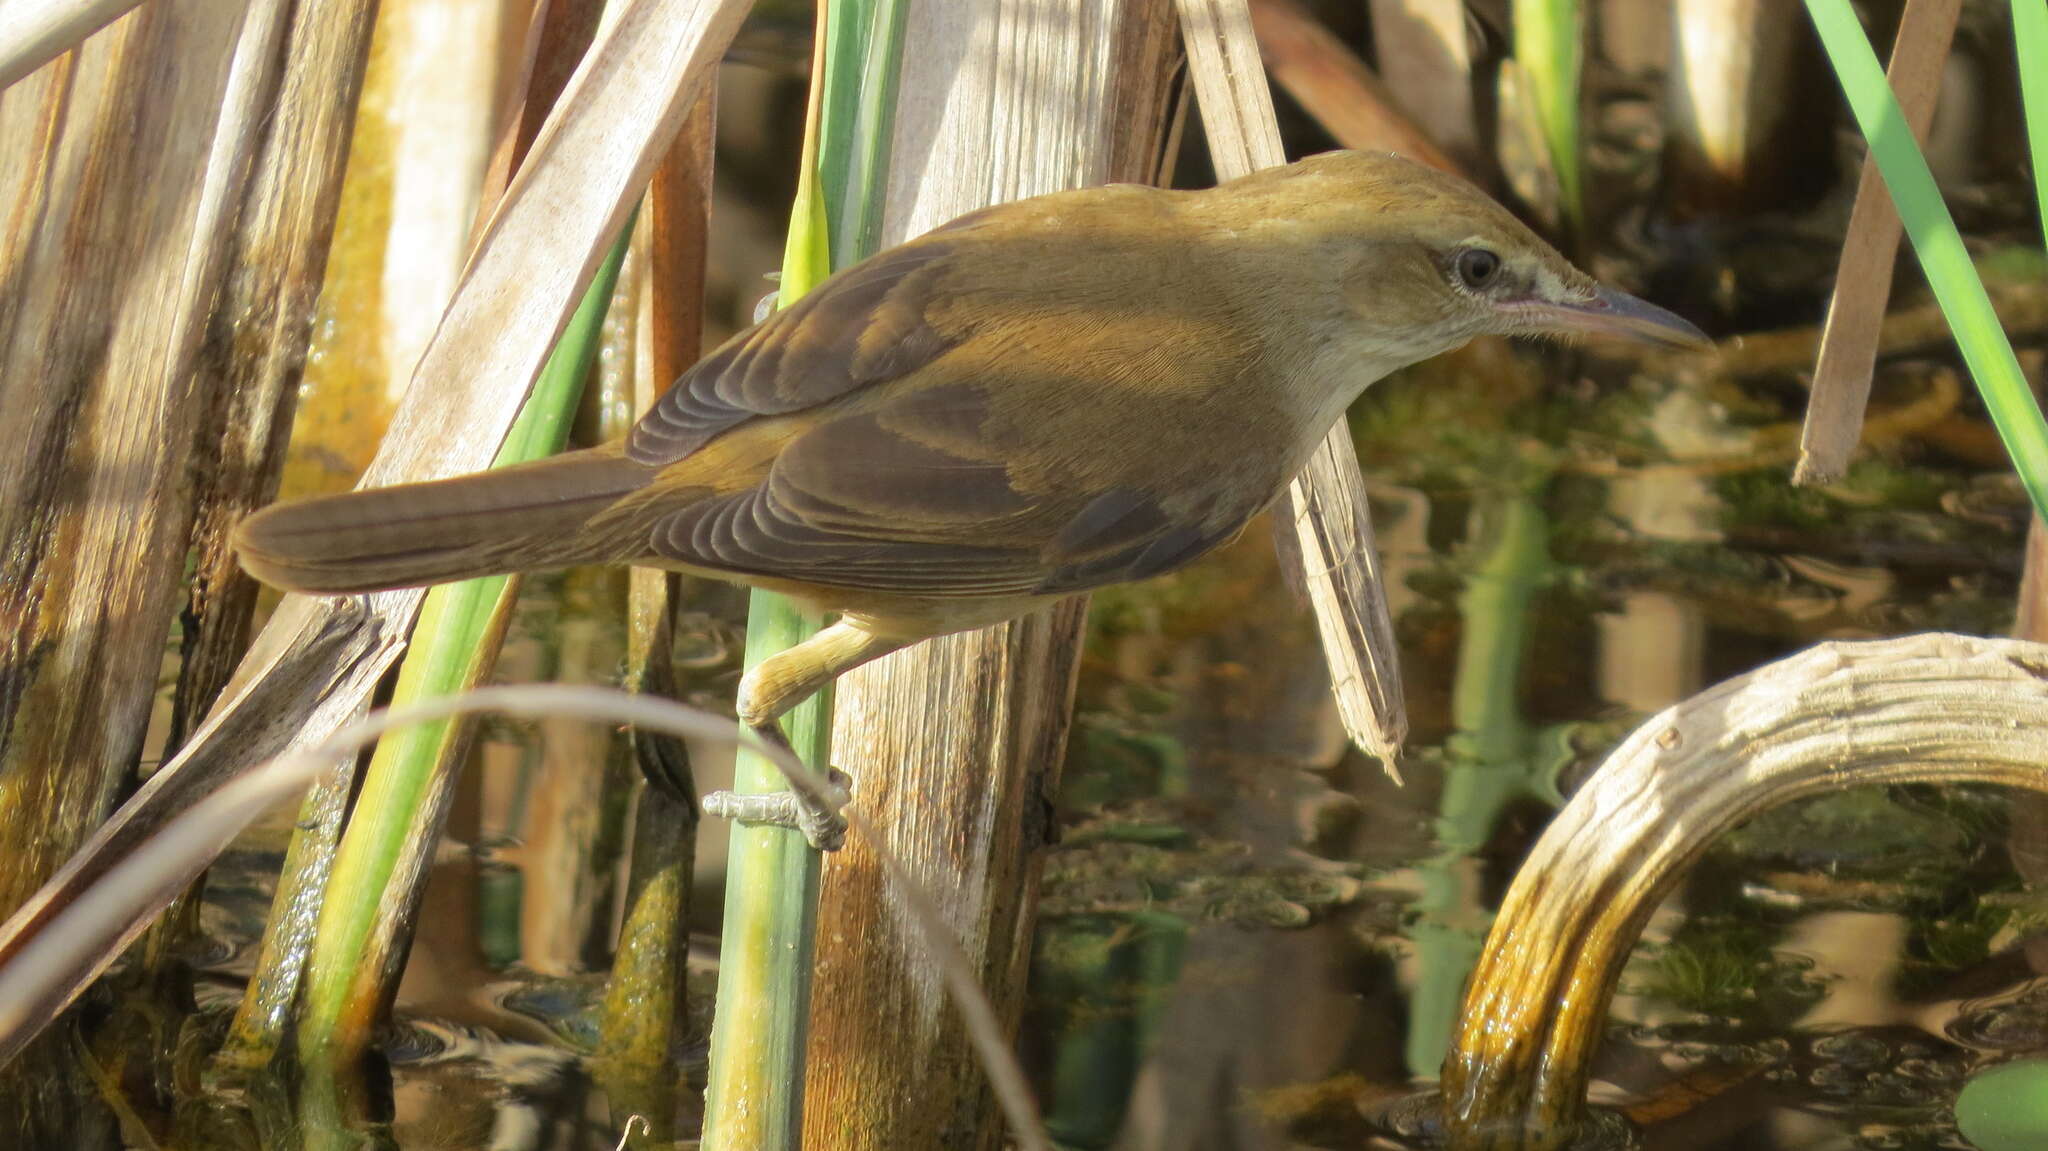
1426, 261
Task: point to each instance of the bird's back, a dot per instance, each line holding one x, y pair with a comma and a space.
1042, 397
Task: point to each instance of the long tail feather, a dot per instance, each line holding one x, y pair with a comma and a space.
525, 518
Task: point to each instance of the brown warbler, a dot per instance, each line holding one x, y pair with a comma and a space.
1037, 399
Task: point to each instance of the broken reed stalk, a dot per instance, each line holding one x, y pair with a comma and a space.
1863, 279
1326, 504
1985, 348
1922, 709
313, 668
122, 344
954, 745
259, 335
107, 308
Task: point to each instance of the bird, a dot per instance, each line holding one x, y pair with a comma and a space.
1040, 398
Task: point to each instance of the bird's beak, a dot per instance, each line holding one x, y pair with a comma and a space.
1612, 313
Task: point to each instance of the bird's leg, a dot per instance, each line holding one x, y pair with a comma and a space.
804, 807
778, 684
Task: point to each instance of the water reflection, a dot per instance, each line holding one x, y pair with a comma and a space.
1533, 525
1252, 939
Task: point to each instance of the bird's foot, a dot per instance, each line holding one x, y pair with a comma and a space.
817, 817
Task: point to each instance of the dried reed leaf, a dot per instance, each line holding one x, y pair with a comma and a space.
1326, 503
1863, 280
317, 662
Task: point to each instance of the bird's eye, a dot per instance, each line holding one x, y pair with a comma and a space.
1477, 267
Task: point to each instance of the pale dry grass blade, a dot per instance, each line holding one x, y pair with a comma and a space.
35, 32
1326, 504
1863, 280
318, 660
109, 290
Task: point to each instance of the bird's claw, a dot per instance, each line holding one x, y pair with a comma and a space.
820, 822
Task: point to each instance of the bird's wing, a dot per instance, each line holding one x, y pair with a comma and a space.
900, 477
868, 325
911, 496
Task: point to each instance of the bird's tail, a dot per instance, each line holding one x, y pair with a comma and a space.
522, 518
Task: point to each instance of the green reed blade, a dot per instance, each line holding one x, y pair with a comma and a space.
1986, 351
357, 948
754, 1097
1549, 35
2030, 32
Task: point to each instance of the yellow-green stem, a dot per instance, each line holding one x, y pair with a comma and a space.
754, 1096
384, 852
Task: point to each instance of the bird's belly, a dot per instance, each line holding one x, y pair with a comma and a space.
891, 615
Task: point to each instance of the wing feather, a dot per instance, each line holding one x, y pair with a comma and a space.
900, 477
868, 325
913, 497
